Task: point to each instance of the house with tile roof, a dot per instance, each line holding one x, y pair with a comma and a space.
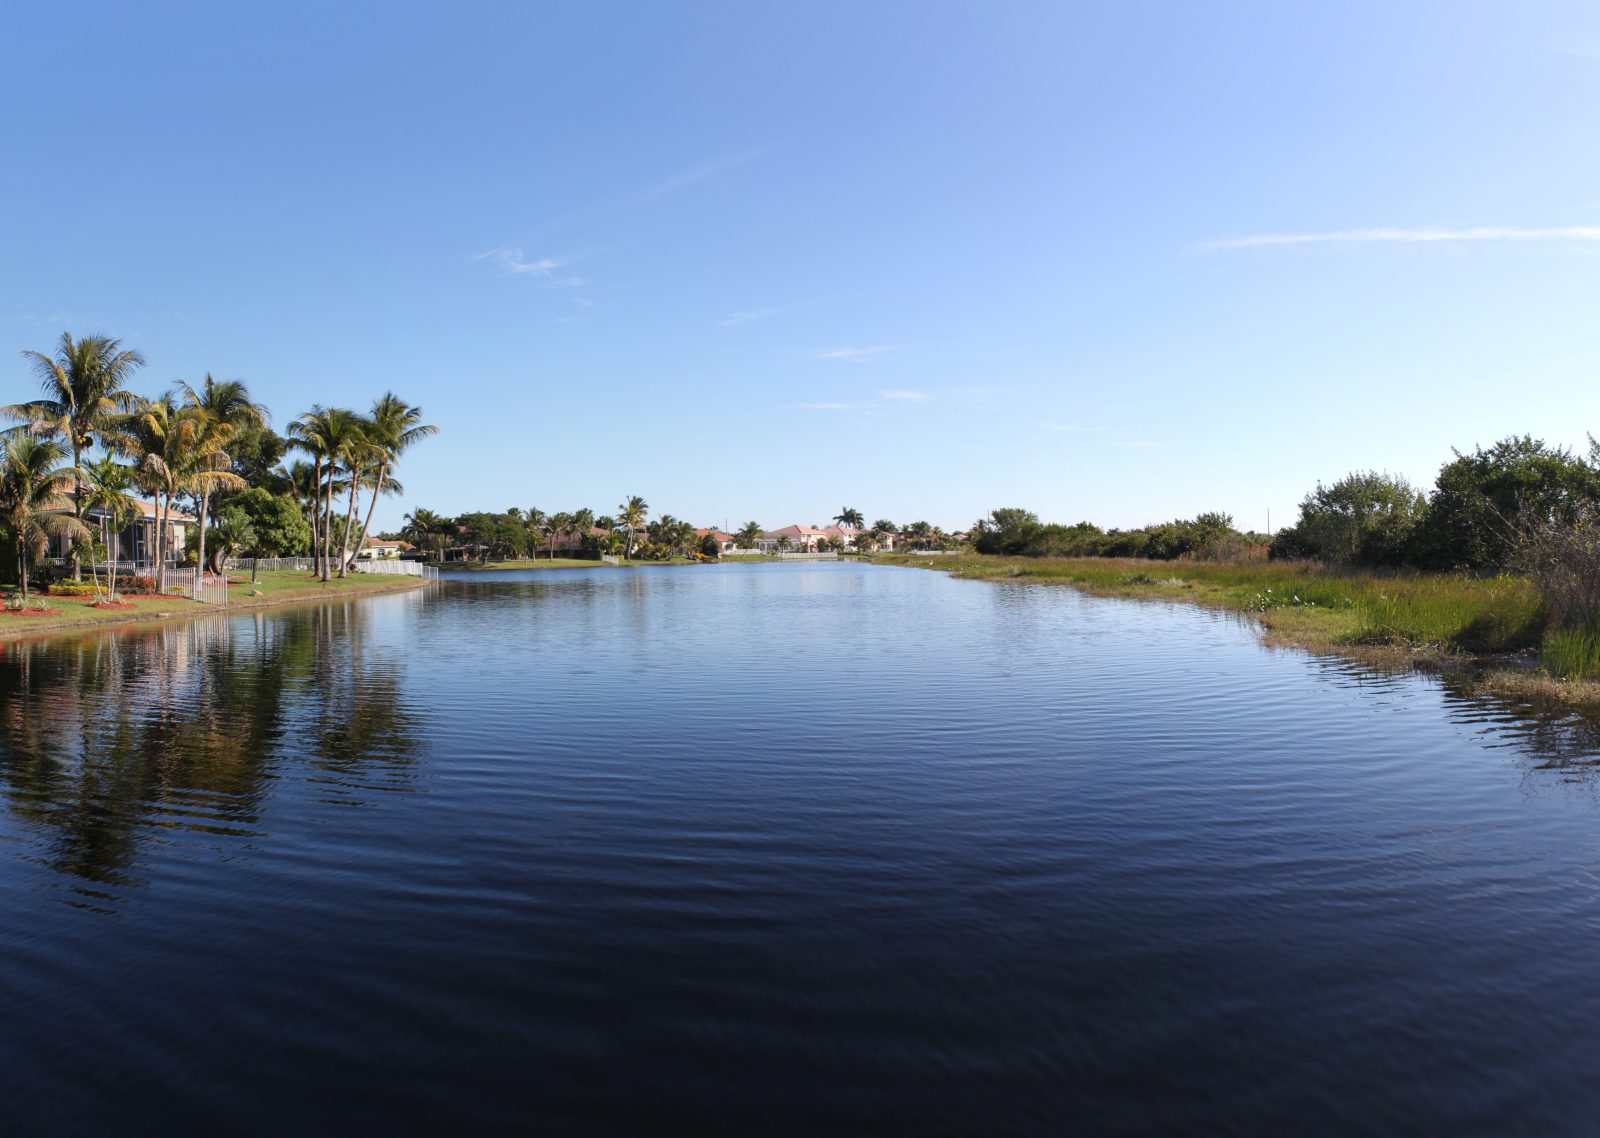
137, 540
801, 539
374, 549
726, 542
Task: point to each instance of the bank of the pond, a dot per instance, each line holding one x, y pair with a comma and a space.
1489, 626
278, 588
581, 563
526, 563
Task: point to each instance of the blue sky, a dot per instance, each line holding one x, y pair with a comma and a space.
1118, 262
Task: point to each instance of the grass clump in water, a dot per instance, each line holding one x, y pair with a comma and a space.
1572, 653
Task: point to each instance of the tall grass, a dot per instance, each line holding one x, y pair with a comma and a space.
1497, 614
1573, 653
1442, 610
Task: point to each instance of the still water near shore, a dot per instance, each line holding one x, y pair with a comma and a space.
781, 850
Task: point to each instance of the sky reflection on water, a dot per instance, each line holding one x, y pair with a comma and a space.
782, 849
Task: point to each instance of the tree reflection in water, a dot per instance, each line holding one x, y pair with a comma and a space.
1554, 745
112, 740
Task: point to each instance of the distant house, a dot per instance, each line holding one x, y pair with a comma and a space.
810, 539
375, 550
135, 542
726, 542
801, 539
852, 537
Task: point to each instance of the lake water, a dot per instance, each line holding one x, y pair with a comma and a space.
769, 850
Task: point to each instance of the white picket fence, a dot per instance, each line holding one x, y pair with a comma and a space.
397, 569
269, 564
308, 565
808, 557
191, 583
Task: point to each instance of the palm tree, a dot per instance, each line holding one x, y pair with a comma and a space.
304, 481
232, 532
175, 451
674, 534
222, 407
536, 522
884, 525
361, 458
631, 515
850, 518
749, 535
392, 427
421, 525
919, 534
84, 389
33, 487
328, 435
107, 483
680, 536
559, 524
582, 524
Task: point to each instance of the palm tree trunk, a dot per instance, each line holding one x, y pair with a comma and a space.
383, 473
77, 505
346, 554
200, 551
161, 541
315, 511
327, 529
22, 568
111, 574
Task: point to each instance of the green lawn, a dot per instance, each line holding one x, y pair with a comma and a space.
280, 587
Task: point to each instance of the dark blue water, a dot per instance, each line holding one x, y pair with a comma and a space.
810, 849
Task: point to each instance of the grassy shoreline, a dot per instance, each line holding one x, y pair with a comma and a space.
282, 588
580, 563
1485, 629
543, 563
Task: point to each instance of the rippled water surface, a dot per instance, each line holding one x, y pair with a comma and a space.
802, 849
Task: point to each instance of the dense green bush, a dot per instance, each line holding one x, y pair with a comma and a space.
1483, 502
1365, 518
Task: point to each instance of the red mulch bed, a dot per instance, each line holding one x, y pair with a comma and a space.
31, 612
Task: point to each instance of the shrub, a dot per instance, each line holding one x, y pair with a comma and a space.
1484, 500
1564, 563
1365, 518
72, 589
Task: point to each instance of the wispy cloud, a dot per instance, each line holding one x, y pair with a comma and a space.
511, 259
1407, 236
750, 316
1071, 429
900, 397
698, 174
851, 355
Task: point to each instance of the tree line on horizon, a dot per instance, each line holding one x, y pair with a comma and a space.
627, 532
1478, 517
91, 445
